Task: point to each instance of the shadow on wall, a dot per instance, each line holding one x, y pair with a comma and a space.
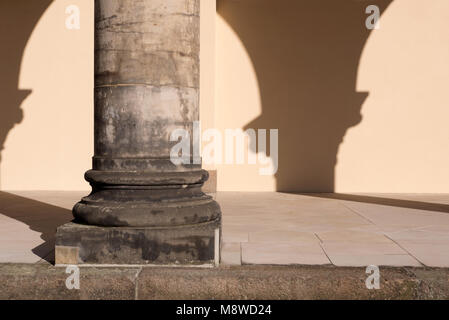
17, 21
306, 56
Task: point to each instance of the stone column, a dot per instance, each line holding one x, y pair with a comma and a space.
144, 209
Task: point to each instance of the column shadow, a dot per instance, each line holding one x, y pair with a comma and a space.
391, 202
306, 56
18, 19
39, 216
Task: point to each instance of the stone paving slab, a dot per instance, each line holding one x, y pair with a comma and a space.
44, 281
352, 230
283, 253
269, 228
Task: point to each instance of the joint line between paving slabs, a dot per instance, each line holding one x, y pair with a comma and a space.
409, 253
136, 283
357, 213
320, 242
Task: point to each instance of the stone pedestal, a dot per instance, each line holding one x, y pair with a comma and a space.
144, 208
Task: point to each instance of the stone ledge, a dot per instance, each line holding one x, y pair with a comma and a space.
44, 281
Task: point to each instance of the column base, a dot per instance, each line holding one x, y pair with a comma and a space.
184, 245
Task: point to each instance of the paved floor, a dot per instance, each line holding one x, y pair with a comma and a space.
270, 228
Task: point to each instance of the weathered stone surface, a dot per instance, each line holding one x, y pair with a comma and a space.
66, 255
191, 244
300, 282
136, 121
43, 281
142, 212
147, 42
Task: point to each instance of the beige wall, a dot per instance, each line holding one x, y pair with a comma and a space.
357, 111
317, 76
51, 146
402, 143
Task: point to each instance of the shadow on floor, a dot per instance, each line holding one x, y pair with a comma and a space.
40, 217
409, 204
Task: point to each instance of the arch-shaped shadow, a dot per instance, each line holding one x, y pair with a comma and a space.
18, 19
306, 56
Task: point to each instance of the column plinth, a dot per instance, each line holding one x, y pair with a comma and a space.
144, 208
